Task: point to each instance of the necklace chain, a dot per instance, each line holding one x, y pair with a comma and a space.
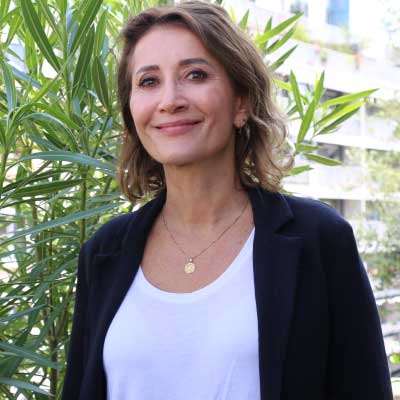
189, 266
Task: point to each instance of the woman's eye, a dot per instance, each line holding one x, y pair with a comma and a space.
197, 75
146, 82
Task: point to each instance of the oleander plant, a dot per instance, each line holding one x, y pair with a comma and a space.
60, 133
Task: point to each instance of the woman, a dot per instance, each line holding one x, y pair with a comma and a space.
220, 287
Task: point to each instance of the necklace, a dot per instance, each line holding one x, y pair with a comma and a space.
190, 266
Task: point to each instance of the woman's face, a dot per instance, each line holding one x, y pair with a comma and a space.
182, 102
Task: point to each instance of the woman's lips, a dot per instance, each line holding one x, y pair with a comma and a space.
177, 128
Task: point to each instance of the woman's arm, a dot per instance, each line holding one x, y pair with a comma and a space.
358, 366
77, 348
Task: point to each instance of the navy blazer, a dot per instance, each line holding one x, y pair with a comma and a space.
319, 330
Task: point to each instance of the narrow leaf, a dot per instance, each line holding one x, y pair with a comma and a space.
20, 313
4, 6
243, 22
35, 28
340, 111
45, 188
232, 14
262, 40
296, 93
299, 170
69, 156
306, 122
280, 42
319, 87
10, 86
100, 82
276, 64
83, 62
335, 124
322, 159
302, 147
59, 115
100, 34
283, 85
25, 353
43, 142
62, 221
22, 385
44, 7
348, 98
91, 9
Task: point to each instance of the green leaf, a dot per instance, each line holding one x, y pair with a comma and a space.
91, 9
45, 188
59, 115
296, 93
232, 14
62, 221
276, 64
20, 313
268, 25
25, 353
43, 142
35, 28
100, 82
339, 112
30, 81
306, 122
302, 147
100, 34
15, 23
68, 156
243, 22
347, 98
319, 87
50, 118
83, 62
322, 159
299, 170
4, 6
280, 42
10, 86
23, 385
262, 40
335, 124
44, 7
395, 358
283, 85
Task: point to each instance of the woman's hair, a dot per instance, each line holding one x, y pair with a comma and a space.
260, 151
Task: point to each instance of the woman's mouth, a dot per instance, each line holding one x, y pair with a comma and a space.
177, 127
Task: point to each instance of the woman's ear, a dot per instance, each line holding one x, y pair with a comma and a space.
241, 111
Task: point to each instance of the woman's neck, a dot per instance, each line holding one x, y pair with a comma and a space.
202, 203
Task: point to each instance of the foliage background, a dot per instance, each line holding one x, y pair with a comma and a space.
59, 139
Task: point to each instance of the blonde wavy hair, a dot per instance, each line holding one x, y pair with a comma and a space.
262, 158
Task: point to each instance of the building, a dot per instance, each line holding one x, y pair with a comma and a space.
335, 48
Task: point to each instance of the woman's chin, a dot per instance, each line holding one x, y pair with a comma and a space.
180, 159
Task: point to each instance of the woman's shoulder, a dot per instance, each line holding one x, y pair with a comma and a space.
315, 215
108, 235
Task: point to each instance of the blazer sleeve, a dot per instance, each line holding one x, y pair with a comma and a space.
357, 367
77, 349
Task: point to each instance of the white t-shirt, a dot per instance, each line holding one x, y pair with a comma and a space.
178, 346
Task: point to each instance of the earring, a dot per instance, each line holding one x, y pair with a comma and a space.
244, 129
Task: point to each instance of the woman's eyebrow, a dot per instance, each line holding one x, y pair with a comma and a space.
184, 62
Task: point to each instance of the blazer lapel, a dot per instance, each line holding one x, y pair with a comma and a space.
275, 263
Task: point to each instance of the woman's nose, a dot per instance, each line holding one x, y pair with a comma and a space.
172, 98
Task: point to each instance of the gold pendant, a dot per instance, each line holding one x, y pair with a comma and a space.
190, 266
